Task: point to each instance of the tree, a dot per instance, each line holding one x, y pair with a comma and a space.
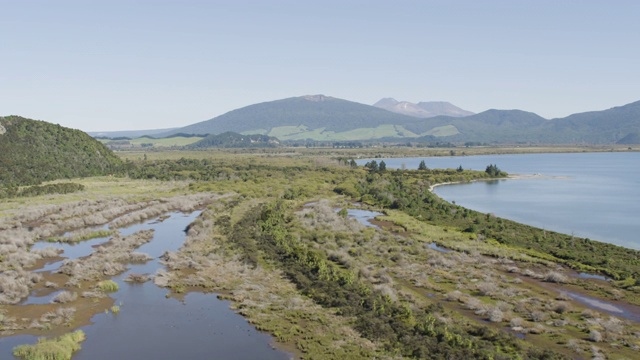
494, 171
460, 169
422, 166
372, 165
382, 167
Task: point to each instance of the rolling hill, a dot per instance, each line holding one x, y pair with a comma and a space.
33, 151
234, 140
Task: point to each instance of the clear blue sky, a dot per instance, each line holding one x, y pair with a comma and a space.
122, 65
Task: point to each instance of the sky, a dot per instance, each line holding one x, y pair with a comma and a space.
150, 64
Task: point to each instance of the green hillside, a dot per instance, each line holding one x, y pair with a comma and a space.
33, 151
598, 127
235, 140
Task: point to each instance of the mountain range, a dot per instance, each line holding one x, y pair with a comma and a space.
325, 118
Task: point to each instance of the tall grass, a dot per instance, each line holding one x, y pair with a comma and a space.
60, 348
108, 286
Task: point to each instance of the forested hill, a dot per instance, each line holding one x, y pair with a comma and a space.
235, 140
316, 117
33, 151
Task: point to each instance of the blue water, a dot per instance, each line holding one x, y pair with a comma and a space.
592, 195
364, 217
151, 326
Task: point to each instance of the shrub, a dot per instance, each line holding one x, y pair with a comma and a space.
64, 297
555, 277
487, 288
495, 315
562, 307
595, 336
538, 316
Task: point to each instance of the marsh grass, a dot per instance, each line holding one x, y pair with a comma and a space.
82, 235
107, 286
65, 297
60, 348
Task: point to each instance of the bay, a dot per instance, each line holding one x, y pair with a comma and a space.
592, 195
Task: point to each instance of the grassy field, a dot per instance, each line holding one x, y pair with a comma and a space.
176, 141
325, 286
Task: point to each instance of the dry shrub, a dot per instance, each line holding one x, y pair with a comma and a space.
137, 278
47, 252
588, 314
139, 257
106, 260
538, 316
16, 284
574, 345
454, 295
555, 277
538, 329
486, 288
517, 322
562, 307
513, 269
59, 317
613, 325
64, 297
496, 315
472, 303
93, 294
595, 336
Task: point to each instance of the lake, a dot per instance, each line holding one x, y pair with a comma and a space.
592, 195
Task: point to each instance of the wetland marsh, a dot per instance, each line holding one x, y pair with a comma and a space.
430, 279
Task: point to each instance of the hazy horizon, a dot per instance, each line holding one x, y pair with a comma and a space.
125, 65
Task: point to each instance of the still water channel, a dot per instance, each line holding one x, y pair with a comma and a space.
152, 326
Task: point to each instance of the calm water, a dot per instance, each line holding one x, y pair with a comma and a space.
593, 195
151, 326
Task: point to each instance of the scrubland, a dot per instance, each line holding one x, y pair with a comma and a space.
271, 240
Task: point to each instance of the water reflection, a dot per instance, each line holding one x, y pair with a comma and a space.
364, 216
151, 326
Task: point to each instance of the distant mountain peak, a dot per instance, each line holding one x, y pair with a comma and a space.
424, 109
386, 102
317, 98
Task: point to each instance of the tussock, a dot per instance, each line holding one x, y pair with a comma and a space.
65, 297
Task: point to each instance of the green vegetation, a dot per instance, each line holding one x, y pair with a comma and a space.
276, 240
36, 190
150, 142
235, 140
61, 348
33, 151
408, 191
107, 286
410, 333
